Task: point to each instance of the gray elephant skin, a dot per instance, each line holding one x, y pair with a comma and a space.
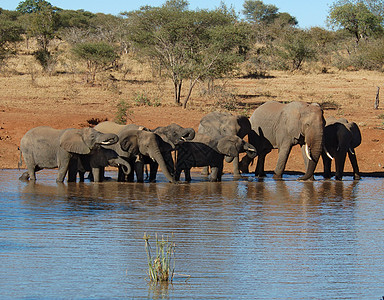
217, 124
340, 137
166, 136
204, 151
47, 148
134, 143
281, 126
95, 162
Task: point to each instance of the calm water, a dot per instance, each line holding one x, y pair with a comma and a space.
237, 239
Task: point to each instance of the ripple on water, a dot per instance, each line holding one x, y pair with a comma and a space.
237, 239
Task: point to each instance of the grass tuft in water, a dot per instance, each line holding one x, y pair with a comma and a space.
159, 266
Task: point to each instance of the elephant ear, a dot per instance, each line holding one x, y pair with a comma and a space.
72, 141
293, 122
129, 144
227, 146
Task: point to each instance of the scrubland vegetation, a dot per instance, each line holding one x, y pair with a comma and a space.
66, 68
189, 47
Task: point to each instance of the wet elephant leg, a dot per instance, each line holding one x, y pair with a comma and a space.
236, 171
153, 167
284, 152
355, 166
340, 162
139, 170
259, 171
327, 163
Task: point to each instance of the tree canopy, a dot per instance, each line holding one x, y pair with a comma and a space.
355, 18
188, 44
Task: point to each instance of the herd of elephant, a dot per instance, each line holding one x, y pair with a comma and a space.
273, 125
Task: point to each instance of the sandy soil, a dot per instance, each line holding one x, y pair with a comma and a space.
64, 102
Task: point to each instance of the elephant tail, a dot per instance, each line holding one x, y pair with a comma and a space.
20, 163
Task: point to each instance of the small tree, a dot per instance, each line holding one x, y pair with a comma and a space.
188, 45
295, 48
10, 34
42, 22
355, 18
97, 55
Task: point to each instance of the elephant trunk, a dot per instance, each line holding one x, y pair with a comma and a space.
107, 139
188, 134
313, 148
156, 155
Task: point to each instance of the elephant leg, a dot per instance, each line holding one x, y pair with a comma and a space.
81, 176
122, 177
24, 176
187, 174
63, 168
236, 171
153, 167
355, 166
205, 171
327, 162
73, 169
31, 174
259, 171
96, 175
216, 174
340, 162
139, 170
177, 174
284, 152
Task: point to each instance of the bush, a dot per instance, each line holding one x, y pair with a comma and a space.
98, 55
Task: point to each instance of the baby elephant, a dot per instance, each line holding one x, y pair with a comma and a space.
204, 151
340, 137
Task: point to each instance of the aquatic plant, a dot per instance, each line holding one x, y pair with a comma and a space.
159, 266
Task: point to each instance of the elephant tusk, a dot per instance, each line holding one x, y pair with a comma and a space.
351, 151
183, 139
328, 154
307, 152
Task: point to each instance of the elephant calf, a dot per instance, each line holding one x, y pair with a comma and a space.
340, 137
95, 162
207, 151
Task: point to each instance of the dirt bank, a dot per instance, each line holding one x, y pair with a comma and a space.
61, 102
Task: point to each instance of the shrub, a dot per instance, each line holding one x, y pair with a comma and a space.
122, 112
98, 55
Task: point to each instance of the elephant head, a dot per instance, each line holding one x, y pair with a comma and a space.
82, 141
232, 145
306, 125
135, 142
175, 134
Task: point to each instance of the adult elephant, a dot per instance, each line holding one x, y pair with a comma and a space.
281, 126
47, 148
204, 151
95, 162
340, 137
218, 124
167, 137
134, 143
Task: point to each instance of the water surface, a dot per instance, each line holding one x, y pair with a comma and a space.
236, 239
